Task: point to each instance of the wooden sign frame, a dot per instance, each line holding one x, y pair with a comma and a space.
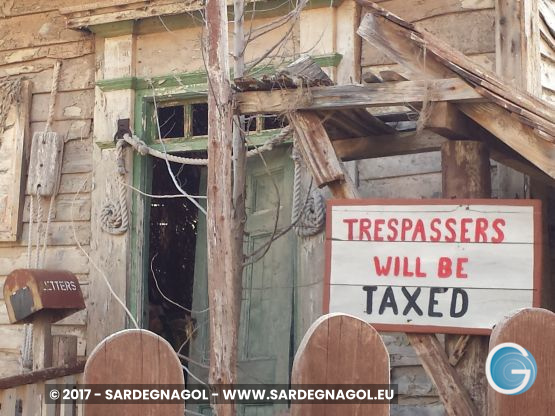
12, 201
537, 250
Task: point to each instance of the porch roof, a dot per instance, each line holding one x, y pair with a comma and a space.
467, 101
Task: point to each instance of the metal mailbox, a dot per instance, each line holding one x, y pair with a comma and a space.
53, 294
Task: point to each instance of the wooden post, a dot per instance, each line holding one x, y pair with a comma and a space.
239, 154
42, 343
325, 165
64, 350
466, 174
222, 266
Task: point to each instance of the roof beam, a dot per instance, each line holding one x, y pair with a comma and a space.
387, 145
356, 96
394, 37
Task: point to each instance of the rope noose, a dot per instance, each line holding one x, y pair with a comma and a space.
114, 218
312, 219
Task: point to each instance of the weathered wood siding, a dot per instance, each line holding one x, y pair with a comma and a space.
547, 48
33, 35
468, 26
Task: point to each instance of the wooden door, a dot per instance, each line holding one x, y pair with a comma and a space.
265, 332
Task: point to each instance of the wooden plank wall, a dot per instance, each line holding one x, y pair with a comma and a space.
32, 37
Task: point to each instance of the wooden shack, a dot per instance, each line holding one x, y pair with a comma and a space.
141, 61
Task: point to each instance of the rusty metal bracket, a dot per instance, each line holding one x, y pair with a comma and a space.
123, 128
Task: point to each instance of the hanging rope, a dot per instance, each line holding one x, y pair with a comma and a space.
27, 347
49, 120
310, 220
114, 218
142, 148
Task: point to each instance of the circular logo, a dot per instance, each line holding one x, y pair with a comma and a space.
510, 369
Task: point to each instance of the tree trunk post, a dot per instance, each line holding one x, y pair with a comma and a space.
222, 266
466, 173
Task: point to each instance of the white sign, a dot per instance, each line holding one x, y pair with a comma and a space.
454, 266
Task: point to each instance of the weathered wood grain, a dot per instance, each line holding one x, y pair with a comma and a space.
153, 362
69, 129
45, 163
67, 207
416, 10
387, 145
396, 40
77, 157
355, 96
336, 350
14, 148
133, 13
58, 51
24, 7
454, 396
533, 329
517, 43
59, 233
40, 30
68, 258
319, 155
520, 137
70, 105
470, 32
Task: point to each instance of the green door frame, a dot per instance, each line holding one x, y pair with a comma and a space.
142, 180
171, 87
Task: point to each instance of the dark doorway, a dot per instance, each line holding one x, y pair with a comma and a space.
172, 241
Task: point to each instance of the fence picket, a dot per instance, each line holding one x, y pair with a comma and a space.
533, 329
340, 349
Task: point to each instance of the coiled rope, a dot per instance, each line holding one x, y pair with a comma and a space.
114, 218
311, 220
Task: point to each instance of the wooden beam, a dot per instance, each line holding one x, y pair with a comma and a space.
434, 360
315, 149
395, 40
135, 11
356, 96
453, 394
387, 145
446, 119
41, 375
520, 137
368, 147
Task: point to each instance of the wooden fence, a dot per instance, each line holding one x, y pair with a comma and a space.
337, 349
23, 395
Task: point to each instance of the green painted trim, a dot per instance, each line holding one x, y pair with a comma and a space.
137, 295
329, 60
264, 9
195, 81
115, 84
107, 30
